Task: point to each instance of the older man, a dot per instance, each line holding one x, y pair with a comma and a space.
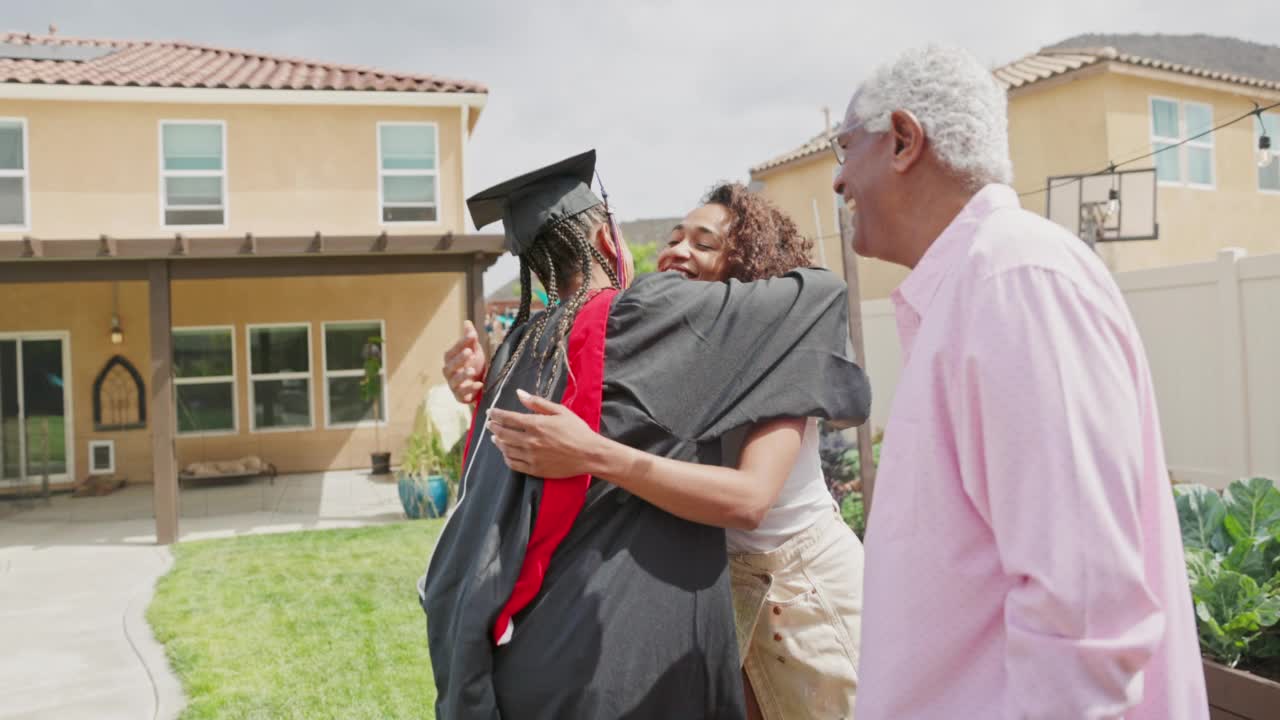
1024, 558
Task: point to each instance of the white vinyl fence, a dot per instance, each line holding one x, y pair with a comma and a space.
1212, 336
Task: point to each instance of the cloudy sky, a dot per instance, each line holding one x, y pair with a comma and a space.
674, 95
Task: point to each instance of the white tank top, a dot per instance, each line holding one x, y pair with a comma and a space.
803, 498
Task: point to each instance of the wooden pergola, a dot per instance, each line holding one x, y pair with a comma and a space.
160, 261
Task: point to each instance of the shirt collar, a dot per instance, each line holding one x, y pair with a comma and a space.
918, 289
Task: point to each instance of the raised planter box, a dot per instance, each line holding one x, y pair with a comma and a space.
1238, 695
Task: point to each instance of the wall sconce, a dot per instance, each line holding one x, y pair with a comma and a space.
117, 332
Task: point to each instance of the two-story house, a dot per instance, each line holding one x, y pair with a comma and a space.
197, 246
1093, 100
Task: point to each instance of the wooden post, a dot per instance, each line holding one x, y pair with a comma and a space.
475, 298
866, 450
164, 460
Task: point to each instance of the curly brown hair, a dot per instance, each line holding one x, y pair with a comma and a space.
763, 241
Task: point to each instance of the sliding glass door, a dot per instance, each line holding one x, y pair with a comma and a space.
35, 422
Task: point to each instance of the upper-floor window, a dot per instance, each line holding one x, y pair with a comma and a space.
193, 173
408, 188
1269, 174
1172, 122
13, 173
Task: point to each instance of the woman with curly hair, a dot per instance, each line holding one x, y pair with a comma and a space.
796, 568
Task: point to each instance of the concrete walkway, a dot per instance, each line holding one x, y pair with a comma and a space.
76, 577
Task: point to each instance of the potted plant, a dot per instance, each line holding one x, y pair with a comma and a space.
1232, 545
371, 391
428, 474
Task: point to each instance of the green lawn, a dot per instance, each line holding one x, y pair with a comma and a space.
9, 431
322, 624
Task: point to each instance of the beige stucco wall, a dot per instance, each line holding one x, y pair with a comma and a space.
1069, 127
422, 312
1077, 124
1194, 223
1057, 129
291, 170
83, 310
794, 187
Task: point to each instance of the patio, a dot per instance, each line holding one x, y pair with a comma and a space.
77, 574
293, 502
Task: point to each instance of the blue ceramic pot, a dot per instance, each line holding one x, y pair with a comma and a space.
423, 497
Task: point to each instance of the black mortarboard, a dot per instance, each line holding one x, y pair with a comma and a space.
529, 203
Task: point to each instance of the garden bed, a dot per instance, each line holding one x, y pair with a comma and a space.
1238, 695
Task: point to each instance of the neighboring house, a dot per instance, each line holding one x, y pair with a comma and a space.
799, 182
199, 242
1091, 100
652, 231
647, 238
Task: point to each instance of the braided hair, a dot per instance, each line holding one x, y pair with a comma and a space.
559, 255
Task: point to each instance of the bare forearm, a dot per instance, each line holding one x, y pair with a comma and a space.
708, 494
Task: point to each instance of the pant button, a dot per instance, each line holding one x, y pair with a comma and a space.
777, 637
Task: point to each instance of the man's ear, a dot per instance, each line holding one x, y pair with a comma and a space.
908, 139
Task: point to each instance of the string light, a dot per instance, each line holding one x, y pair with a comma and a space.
1264, 141
1111, 168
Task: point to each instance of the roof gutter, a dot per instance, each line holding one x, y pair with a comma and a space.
238, 96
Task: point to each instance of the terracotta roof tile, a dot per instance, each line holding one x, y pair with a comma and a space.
1206, 56
817, 144
187, 65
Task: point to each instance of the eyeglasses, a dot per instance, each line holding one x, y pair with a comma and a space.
843, 131
836, 149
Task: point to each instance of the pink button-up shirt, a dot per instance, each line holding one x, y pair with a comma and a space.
1023, 557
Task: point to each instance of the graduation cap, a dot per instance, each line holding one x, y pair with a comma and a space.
529, 203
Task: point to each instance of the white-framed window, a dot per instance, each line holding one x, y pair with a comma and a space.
279, 377
344, 360
102, 457
1173, 121
15, 197
408, 183
204, 378
193, 173
1269, 176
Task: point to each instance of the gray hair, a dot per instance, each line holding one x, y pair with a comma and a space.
962, 108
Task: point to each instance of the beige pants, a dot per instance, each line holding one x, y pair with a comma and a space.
798, 611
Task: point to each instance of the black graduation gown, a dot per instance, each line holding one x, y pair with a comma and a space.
634, 617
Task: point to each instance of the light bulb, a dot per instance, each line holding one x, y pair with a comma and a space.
117, 333
1113, 203
1264, 151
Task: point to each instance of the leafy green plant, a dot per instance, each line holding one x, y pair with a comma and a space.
841, 464
842, 467
854, 514
424, 453
1232, 545
645, 257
